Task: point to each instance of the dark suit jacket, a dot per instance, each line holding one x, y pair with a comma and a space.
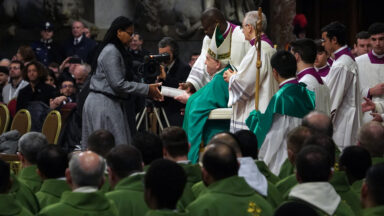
177, 74
84, 49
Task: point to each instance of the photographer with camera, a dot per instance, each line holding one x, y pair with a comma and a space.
172, 72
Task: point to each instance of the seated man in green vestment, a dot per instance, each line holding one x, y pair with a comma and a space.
226, 194
29, 145
284, 112
8, 204
175, 148
295, 141
355, 162
371, 137
164, 184
213, 95
125, 168
372, 192
85, 176
52, 162
313, 171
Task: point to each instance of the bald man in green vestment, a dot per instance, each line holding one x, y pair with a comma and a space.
85, 176
227, 193
125, 171
371, 137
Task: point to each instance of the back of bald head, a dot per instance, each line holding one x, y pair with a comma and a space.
220, 161
87, 169
318, 123
371, 137
229, 139
212, 15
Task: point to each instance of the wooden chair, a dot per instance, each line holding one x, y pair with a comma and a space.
22, 122
52, 126
4, 118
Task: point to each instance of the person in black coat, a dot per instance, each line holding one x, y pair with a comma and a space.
37, 90
173, 72
79, 45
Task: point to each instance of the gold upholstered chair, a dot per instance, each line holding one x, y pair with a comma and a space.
22, 122
4, 118
52, 126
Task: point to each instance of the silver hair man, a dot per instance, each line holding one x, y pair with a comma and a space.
86, 169
251, 18
30, 144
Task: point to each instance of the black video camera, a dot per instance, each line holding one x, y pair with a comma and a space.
151, 66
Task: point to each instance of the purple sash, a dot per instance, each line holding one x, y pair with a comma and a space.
294, 81
330, 61
374, 59
323, 72
252, 42
265, 38
311, 71
344, 51
232, 27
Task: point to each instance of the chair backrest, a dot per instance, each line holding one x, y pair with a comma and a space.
13, 161
52, 126
4, 118
22, 122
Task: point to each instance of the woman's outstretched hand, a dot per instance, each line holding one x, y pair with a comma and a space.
154, 92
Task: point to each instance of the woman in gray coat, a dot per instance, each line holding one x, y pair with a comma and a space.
110, 104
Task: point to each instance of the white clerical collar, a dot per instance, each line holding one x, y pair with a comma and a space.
287, 80
61, 178
85, 189
183, 162
304, 70
341, 48
378, 56
326, 65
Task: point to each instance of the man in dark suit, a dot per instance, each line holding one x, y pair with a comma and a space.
173, 72
79, 44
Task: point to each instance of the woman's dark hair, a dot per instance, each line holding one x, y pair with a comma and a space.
41, 70
121, 23
27, 53
52, 74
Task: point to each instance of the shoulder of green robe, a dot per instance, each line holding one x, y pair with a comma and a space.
286, 169
285, 185
24, 195
266, 172
374, 211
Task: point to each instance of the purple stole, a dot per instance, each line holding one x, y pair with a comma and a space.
310, 71
330, 61
323, 72
264, 38
294, 81
342, 52
374, 59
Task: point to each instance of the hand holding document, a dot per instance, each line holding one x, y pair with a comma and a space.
171, 92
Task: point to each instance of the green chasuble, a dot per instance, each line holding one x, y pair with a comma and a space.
166, 212
292, 99
377, 160
128, 195
50, 192
339, 181
356, 186
266, 172
24, 195
29, 177
10, 206
106, 186
342, 209
77, 203
193, 172
200, 104
285, 185
230, 196
375, 211
286, 169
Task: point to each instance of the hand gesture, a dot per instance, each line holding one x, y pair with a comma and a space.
377, 90
368, 105
227, 74
154, 92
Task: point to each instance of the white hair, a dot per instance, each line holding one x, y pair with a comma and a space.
86, 177
251, 18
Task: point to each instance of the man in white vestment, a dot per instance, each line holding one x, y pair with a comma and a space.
242, 81
371, 73
305, 53
199, 77
343, 83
